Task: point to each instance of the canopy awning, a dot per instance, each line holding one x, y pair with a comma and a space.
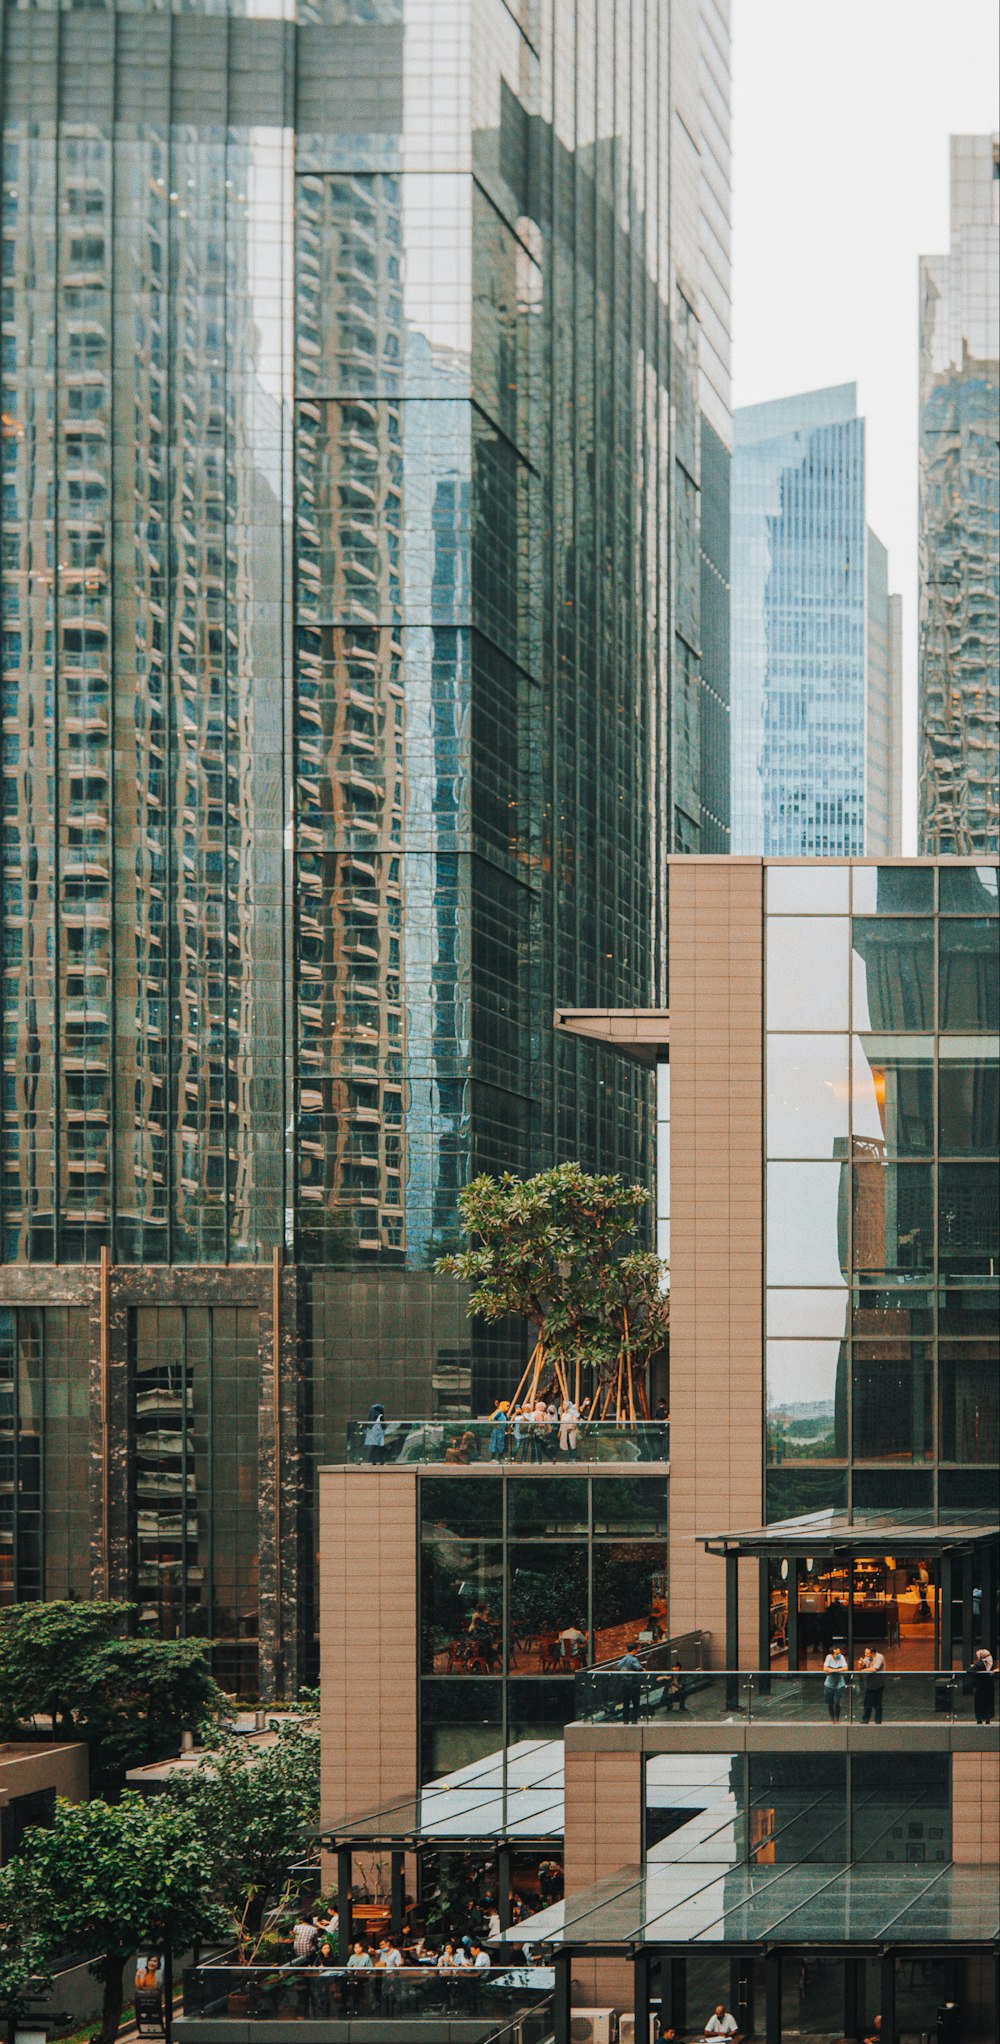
512, 1797
676, 1906
824, 1532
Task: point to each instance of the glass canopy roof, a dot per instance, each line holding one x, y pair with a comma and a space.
686, 1904
514, 1794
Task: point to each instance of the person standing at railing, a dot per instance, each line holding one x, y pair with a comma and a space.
981, 1672
498, 1430
630, 1669
569, 1420
837, 1671
872, 1666
375, 1433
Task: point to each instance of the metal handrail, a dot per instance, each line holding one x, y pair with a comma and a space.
607, 1693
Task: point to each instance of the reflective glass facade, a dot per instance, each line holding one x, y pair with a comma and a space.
882, 1252
815, 668
364, 555
523, 1580
960, 514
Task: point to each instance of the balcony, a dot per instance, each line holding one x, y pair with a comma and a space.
412, 2003
687, 1696
465, 1442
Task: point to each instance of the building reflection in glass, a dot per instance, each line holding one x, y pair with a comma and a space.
883, 1246
959, 537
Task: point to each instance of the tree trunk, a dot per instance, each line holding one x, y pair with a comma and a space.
111, 2012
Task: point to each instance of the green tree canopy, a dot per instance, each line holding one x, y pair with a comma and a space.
256, 1811
130, 1699
552, 1248
107, 1878
25, 1943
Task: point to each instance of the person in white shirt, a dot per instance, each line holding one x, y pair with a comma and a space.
721, 2023
480, 1959
390, 1957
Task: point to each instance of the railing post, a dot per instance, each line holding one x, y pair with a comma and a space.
344, 1924
640, 1996
732, 1627
561, 2000
887, 1995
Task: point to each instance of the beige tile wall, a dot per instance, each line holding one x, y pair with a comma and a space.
604, 1798
368, 1638
975, 1815
716, 1229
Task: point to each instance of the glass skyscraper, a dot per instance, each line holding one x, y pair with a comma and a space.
815, 668
960, 514
364, 610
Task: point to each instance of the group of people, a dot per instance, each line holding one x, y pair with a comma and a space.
539, 1433
873, 1672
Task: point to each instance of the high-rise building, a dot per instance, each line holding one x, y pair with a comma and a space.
784, 1798
960, 514
365, 527
816, 678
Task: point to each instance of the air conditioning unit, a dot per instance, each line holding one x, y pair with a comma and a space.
592, 2026
626, 2028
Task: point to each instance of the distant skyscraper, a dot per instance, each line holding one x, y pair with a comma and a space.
960, 514
815, 664
364, 588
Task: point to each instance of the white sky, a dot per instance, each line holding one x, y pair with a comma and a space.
841, 119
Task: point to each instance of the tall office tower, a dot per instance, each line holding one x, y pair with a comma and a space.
816, 679
960, 514
365, 415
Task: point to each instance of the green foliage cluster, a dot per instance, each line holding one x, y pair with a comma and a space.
103, 1879
551, 1249
128, 1698
199, 1860
255, 1813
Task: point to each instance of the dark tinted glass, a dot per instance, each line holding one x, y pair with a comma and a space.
460, 1722
969, 1490
893, 1490
466, 1505
901, 1808
893, 973
538, 1710
893, 890
969, 1380
630, 1504
969, 1219
893, 1403
970, 890
461, 1606
630, 1594
969, 1108
893, 1219
793, 1491
798, 1807
539, 1505
970, 976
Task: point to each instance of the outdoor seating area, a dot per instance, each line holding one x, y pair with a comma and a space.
269, 1995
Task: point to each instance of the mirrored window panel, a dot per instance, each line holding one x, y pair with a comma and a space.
893, 1401
806, 1401
807, 972
892, 890
969, 1099
969, 996
808, 1096
893, 973
892, 1094
806, 1224
892, 1220
969, 1389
